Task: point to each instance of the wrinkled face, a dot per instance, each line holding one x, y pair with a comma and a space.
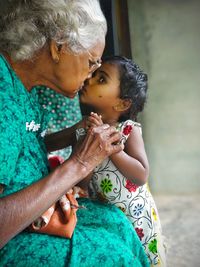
102, 90
72, 70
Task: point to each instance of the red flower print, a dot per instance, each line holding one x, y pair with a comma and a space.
127, 129
139, 232
131, 186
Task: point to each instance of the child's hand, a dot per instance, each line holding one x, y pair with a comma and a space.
94, 120
90, 121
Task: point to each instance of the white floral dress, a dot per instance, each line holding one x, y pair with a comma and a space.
108, 184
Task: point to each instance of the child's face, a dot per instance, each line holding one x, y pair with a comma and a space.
102, 90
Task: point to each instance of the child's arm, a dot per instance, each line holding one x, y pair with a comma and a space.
132, 162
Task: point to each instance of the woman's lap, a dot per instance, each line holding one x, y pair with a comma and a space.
103, 237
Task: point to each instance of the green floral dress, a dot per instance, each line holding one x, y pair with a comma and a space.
103, 236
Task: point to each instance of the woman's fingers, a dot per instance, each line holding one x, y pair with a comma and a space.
109, 139
106, 133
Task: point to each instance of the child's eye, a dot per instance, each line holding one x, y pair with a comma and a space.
101, 79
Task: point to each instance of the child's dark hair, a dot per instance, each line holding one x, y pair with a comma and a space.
133, 85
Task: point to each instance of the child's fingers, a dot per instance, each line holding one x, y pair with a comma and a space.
94, 121
97, 117
94, 114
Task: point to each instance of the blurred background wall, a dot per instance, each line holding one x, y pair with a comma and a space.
165, 41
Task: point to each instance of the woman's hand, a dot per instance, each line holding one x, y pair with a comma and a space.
99, 143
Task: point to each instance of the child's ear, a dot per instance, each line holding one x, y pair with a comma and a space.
123, 105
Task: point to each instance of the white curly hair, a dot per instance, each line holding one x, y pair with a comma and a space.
27, 25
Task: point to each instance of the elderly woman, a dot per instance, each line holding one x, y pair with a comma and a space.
58, 44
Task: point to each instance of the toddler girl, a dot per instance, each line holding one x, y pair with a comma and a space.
117, 93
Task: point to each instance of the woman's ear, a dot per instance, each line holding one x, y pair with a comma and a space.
123, 105
55, 51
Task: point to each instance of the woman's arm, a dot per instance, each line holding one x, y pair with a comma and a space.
132, 162
18, 210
